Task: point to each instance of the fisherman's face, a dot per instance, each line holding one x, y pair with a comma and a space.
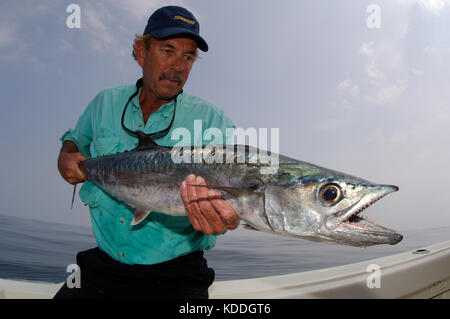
166, 65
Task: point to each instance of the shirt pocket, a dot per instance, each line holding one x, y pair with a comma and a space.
90, 194
105, 146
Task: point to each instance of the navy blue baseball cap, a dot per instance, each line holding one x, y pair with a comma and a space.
173, 20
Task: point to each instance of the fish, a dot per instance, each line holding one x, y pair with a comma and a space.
297, 199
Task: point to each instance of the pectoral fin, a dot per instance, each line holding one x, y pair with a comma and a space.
139, 215
250, 227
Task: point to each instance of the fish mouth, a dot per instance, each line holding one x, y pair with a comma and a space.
351, 225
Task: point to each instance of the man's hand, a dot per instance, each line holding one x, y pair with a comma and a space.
206, 210
68, 161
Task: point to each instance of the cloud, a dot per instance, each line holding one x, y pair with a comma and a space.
387, 94
108, 26
386, 74
348, 89
8, 35
111, 25
140, 9
377, 86
98, 22
348, 93
432, 6
16, 35
372, 70
366, 49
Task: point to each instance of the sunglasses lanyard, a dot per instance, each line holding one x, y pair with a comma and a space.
147, 140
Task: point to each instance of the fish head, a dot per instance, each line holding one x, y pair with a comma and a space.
328, 208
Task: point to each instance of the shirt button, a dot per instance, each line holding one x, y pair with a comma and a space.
122, 255
122, 220
140, 125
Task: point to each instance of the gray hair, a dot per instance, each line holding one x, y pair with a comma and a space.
146, 40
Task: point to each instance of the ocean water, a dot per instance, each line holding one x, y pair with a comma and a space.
41, 251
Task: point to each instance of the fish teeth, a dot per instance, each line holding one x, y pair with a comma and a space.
364, 207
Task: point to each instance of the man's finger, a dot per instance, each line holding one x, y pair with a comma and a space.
225, 210
80, 158
68, 166
194, 205
207, 210
184, 195
77, 173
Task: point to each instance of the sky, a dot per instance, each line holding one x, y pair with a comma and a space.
351, 88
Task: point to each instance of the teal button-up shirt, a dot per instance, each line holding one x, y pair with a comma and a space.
99, 132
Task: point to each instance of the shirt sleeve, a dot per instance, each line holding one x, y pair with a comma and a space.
81, 135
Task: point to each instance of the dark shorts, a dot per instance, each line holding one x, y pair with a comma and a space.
184, 277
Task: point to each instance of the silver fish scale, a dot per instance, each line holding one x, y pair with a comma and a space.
150, 178
286, 202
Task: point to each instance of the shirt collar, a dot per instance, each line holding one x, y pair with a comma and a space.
135, 101
166, 109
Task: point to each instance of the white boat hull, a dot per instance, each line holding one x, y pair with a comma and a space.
416, 274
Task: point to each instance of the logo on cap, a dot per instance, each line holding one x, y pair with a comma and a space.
184, 19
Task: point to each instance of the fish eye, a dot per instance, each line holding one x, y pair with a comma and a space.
330, 193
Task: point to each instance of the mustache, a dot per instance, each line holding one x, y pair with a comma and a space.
172, 75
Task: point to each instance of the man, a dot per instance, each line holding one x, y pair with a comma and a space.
163, 256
